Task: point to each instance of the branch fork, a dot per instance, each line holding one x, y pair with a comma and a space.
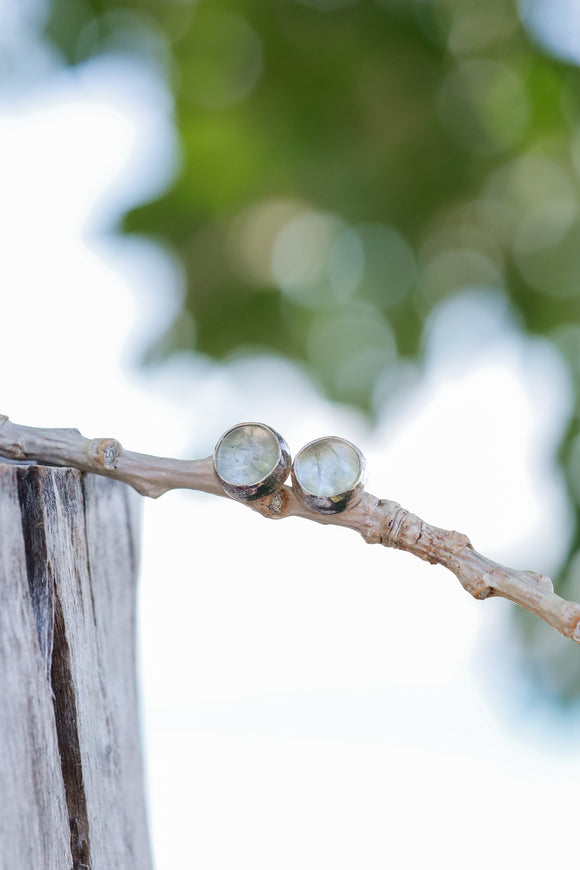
378, 521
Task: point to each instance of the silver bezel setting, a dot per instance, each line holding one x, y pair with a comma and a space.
330, 504
266, 485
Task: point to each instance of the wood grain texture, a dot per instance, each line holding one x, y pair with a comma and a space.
70, 758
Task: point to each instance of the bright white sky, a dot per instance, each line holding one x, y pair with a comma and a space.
308, 701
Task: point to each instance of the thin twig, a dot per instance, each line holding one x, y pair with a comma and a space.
379, 521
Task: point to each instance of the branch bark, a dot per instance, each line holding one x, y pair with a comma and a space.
379, 521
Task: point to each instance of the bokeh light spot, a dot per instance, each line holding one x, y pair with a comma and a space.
224, 62
351, 346
553, 270
252, 235
454, 270
471, 26
538, 198
306, 256
483, 106
345, 264
390, 269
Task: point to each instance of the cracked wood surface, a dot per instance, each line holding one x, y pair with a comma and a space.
379, 521
70, 760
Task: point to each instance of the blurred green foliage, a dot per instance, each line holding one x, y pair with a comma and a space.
348, 165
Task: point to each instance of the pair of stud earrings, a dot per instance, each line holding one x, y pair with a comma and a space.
251, 460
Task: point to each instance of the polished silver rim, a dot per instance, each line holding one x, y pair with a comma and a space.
266, 484
335, 502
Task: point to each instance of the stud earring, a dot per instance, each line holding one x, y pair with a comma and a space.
251, 460
328, 474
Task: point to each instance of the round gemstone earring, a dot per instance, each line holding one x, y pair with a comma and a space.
328, 474
251, 460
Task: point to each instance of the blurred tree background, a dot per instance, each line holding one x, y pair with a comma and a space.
345, 167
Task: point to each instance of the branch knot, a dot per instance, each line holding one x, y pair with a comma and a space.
391, 525
105, 452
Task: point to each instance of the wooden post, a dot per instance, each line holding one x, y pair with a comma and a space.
71, 790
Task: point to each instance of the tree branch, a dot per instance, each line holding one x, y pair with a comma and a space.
379, 521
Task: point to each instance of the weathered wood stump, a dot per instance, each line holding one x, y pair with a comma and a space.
71, 789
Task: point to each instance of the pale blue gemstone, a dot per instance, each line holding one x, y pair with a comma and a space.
328, 467
247, 455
